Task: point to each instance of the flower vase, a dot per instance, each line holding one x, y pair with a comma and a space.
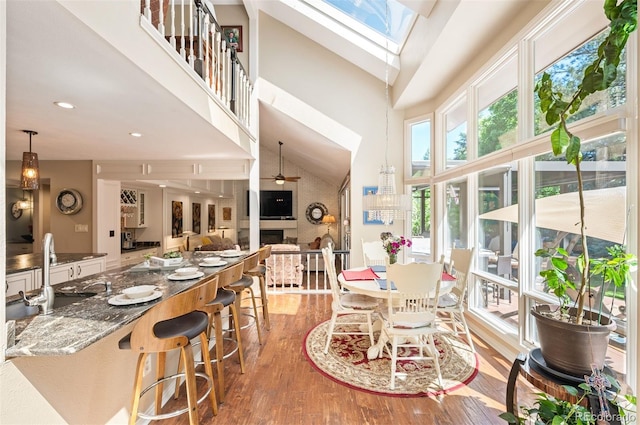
393, 258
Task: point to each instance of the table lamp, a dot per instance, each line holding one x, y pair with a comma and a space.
328, 219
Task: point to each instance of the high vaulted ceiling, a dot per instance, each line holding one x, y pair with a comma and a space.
52, 56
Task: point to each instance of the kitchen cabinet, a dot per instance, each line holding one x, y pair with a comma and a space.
17, 282
136, 257
75, 270
137, 217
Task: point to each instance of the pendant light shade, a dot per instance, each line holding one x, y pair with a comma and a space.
30, 178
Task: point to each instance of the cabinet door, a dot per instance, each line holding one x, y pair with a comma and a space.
142, 198
61, 274
89, 267
17, 282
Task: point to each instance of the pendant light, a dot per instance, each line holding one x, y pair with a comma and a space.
30, 178
386, 205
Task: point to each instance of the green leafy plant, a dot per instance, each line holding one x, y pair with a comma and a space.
549, 410
598, 76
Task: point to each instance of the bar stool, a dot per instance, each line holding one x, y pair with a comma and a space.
259, 272
225, 298
245, 284
167, 326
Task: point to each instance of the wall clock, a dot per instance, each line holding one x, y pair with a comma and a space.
315, 212
69, 201
16, 212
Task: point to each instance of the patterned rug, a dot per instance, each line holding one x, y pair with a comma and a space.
346, 363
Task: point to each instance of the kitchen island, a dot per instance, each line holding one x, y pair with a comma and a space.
68, 365
73, 327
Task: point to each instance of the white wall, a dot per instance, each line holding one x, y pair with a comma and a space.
347, 95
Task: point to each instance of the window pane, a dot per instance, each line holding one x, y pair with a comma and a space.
498, 236
420, 148
498, 124
456, 134
557, 215
497, 98
456, 235
421, 220
566, 73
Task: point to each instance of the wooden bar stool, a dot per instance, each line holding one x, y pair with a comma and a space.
245, 284
225, 298
259, 272
168, 326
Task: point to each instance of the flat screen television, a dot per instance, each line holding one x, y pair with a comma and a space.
274, 204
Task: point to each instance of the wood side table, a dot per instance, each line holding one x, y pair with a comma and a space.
546, 382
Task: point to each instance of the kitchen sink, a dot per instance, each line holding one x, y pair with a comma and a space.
17, 309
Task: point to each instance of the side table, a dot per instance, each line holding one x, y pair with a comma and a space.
546, 382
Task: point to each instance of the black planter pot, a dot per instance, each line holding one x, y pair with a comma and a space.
571, 348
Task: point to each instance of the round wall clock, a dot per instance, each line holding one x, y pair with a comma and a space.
69, 201
16, 212
315, 212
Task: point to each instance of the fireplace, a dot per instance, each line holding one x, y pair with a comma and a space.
271, 236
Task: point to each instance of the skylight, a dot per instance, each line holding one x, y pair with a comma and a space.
371, 18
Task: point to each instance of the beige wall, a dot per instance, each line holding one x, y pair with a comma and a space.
65, 174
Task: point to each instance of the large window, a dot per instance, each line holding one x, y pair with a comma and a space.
456, 134
566, 74
420, 148
457, 220
498, 108
421, 220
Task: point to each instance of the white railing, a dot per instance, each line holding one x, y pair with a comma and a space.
301, 272
190, 28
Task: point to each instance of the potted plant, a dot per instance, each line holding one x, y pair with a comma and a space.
549, 410
573, 357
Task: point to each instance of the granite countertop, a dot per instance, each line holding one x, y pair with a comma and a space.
26, 262
71, 328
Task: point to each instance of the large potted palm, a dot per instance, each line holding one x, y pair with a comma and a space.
572, 338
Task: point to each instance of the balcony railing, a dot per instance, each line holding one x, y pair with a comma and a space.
303, 272
191, 29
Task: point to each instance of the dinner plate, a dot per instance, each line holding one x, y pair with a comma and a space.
177, 276
122, 299
218, 264
231, 254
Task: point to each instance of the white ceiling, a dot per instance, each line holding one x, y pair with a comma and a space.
51, 56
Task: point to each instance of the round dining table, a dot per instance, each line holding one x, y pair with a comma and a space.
372, 288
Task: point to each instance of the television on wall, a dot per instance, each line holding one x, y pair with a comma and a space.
275, 204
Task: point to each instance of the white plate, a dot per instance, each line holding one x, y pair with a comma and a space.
176, 276
122, 299
218, 264
231, 254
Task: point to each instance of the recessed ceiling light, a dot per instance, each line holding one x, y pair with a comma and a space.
197, 191
65, 105
162, 185
220, 196
134, 134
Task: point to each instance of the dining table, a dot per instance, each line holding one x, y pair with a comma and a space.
372, 281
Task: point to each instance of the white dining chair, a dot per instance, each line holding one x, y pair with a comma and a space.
374, 253
346, 303
410, 318
451, 305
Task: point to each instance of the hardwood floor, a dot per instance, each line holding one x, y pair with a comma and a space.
281, 387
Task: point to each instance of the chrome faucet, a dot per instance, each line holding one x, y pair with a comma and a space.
47, 295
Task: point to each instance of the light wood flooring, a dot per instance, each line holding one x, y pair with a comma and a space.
281, 387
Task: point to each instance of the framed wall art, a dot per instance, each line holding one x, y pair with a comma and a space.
233, 35
176, 219
195, 217
211, 224
369, 190
226, 213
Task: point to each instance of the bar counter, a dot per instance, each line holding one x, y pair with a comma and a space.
74, 327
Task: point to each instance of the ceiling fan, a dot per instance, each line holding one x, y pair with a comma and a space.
281, 178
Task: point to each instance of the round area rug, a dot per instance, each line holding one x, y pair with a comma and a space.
346, 363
